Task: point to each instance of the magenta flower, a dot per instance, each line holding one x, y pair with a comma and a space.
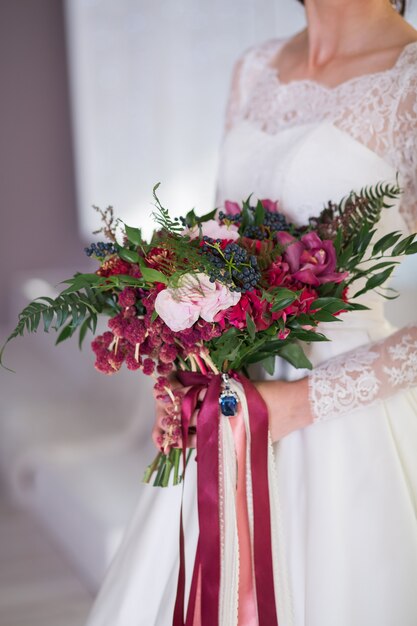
270, 205
232, 208
311, 260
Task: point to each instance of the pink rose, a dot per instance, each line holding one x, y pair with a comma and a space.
311, 260
194, 297
213, 229
176, 313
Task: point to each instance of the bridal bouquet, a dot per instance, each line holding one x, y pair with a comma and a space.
205, 298
219, 292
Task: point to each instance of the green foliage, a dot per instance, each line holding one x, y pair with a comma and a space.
162, 216
364, 209
134, 235
66, 313
191, 219
355, 215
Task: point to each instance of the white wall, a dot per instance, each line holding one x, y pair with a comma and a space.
149, 86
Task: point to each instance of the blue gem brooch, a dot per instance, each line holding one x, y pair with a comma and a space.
228, 399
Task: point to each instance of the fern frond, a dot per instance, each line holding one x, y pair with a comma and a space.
66, 312
356, 211
163, 218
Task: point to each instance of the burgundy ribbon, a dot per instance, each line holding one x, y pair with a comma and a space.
262, 540
207, 562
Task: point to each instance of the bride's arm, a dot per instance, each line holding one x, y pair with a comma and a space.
343, 384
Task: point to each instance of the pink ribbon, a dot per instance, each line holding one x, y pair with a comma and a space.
205, 586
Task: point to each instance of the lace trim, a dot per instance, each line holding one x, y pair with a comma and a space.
343, 384
404, 352
378, 110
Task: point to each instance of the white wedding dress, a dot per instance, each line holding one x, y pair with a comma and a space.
344, 490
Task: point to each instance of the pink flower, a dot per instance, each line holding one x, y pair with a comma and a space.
232, 208
311, 260
194, 297
213, 229
270, 205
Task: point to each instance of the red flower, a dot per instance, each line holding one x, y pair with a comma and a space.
113, 267
250, 303
311, 260
278, 274
159, 258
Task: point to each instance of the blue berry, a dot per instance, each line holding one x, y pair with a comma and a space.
100, 250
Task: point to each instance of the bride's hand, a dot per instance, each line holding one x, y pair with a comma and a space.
162, 404
288, 406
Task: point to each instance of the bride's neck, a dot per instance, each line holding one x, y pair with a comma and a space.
340, 27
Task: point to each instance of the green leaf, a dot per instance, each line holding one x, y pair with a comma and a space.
412, 249
325, 316
154, 316
379, 266
85, 326
294, 354
375, 281
250, 326
48, 315
308, 335
131, 256
247, 218
283, 298
66, 333
207, 216
151, 275
268, 363
259, 214
134, 235
385, 242
338, 241
332, 305
191, 218
402, 245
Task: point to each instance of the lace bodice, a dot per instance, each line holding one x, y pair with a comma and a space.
378, 112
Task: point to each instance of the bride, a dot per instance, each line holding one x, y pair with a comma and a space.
309, 119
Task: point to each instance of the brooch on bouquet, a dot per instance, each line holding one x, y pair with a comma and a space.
228, 399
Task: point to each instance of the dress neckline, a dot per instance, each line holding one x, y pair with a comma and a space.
326, 88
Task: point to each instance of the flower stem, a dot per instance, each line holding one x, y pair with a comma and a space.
200, 362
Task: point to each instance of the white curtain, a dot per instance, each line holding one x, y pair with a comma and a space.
149, 82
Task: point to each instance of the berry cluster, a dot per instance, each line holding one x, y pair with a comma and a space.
273, 222
100, 250
231, 264
230, 217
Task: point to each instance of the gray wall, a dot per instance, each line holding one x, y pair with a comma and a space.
38, 227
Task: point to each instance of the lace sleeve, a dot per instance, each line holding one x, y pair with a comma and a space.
364, 376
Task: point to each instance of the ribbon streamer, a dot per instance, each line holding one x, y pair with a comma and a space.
205, 586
